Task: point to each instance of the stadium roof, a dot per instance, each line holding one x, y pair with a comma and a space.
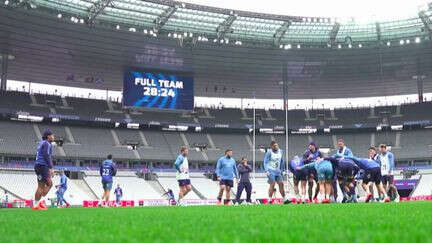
180, 20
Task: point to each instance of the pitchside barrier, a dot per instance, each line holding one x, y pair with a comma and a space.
164, 202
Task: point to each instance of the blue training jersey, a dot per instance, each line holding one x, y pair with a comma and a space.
274, 161
107, 170
226, 168
344, 152
44, 153
63, 181
293, 164
363, 163
310, 156
118, 192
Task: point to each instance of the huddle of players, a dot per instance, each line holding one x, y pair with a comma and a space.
343, 167
227, 170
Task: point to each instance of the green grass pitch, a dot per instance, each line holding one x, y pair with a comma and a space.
403, 222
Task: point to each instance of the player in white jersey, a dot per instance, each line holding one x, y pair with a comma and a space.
182, 174
386, 159
274, 166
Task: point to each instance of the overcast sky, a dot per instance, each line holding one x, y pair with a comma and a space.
383, 9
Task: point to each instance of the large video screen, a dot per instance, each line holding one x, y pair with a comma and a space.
156, 89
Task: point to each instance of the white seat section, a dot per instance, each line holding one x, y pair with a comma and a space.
206, 187
171, 183
134, 188
260, 187
24, 185
424, 187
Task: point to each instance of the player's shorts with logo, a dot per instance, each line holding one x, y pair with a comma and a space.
42, 173
107, 185
373, 175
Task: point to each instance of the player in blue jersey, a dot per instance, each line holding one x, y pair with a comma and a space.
107, 172
325, 174
372, 175
43, 169
171, 199
61, 190
311, 154
343, 150
226, 171
345, 171
274, 166
386, 160
118, 192
182, 174
299, 177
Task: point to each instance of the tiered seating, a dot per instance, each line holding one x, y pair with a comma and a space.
24, 184
424, 187
17, 138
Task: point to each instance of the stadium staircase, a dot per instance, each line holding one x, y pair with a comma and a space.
157, 186
200, 195
11, 194
83, 184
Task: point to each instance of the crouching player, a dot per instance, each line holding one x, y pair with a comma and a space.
299, 177
345, 172
273, 166
324, 170
372, 175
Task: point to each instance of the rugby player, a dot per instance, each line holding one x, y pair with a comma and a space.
372, 175
43, 169
386, 159
118, 192
226, 170
107, 171
182, 174
273, 166
310, 155
325, 174
299, 177
61, 190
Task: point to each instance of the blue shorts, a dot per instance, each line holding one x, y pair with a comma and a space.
107, 186
299, 175
184, 182
274, 177
118, 198
325, 174
373, 175
229, 183
42, 173
61, 191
